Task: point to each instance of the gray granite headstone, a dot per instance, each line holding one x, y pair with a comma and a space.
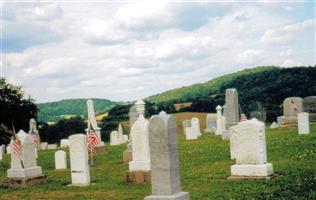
309, 106
231, 107
165, 176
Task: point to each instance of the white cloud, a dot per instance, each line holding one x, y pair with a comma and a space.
249, 56
48, 12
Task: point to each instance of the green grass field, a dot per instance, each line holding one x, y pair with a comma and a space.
204, 166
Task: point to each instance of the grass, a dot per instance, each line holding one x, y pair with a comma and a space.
204, 167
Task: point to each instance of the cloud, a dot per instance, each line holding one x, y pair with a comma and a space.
249, 56
48, 12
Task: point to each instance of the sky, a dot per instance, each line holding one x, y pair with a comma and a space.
127, 50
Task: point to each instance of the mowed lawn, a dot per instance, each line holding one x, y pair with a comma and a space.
204, 166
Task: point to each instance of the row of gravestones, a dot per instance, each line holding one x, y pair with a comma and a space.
117, 137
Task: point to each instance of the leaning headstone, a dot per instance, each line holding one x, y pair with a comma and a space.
250, 151
185, 124
195, 123
80, 174
291, 107
232, 108
309, 106
44, 145
64, 143
52, 146
60, 160
114, 138
211, 122
219, 121
92, 119
165, 176
274, 125
24, 170
303, 123
139, 167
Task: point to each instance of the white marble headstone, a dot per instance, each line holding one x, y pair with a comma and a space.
114, 138
196, 126
303, 123
64, 143
60, 160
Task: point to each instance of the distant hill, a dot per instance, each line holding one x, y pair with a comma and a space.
268, 86
53, 111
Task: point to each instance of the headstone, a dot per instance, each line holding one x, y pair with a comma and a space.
125, 137
250, 151
52, 146
232, 107
24, 167
185, 124
211, 122
8, 149
64, 143
92, 119
33, 130
133, 115
165, 176
60, 160
291, 107
219, 121
121, 138
80, 174
274, 125
114, 138
44, 145
303, 123
190, 133
196, 126
2, 151
260, 113
309, 106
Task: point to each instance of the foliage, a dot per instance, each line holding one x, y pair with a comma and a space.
62, 129
14, 109
204, 168
54, 111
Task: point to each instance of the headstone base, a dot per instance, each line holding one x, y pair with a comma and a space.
25, 173
226, 135
260, 170
178, 196
127, 156
24, 182
139, 165
137, 177
287, 121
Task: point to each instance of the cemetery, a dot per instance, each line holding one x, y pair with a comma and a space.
157, 100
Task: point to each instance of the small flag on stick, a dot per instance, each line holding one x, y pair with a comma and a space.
243, 117
93, 139
16, 145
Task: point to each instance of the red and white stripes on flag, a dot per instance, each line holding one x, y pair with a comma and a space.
243, 117
93, 140
16, 145
35, 138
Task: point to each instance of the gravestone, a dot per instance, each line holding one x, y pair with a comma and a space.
60, 160
191, 133
274, 125
121, 137
231, 107
44, 145
195, 123
291, 107
165, 176
139, 167
93, 121
64, 143
219, 121
211, 122
133, 115
33, 130
114, 138
185, 124
309, 106
303, 123
8, 149
24, 170
52, 146
259, 115
80, 174
2, 151
248, 138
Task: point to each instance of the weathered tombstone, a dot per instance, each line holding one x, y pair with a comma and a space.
121, 138
211, 122
165, 176
92, 119
309, 106
232, 108
291, 107
24, 170
114, 138
33, 130
260, 113
44, 145
219, 121
80, 174
133, 115
139, 167
52, 146
60, 160
64, 143
303, 123
8, 149
274, 125
190, 133
185, 124
250, 151
196, 126
2, 151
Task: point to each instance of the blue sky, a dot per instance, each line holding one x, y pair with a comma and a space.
130, 50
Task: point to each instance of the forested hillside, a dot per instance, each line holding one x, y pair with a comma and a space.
54, 111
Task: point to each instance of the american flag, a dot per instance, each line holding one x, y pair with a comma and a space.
93, 139
16, 145
243, 117
35, 138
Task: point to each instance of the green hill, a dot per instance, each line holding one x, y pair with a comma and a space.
53, 111
267, 85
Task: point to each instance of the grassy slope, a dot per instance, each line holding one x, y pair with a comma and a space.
205, 165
